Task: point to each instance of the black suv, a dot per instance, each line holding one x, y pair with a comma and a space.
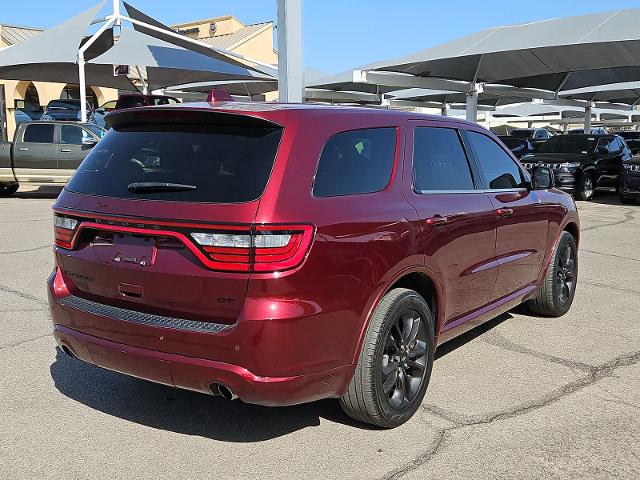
582, 163
630, 180
518, 146
535, 135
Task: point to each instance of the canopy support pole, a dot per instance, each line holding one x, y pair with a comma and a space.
587, 120
290, 85
83, 88
472, 104
145, 88
81, 62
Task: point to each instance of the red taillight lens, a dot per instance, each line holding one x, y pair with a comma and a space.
263, 249
281, 247
64, 228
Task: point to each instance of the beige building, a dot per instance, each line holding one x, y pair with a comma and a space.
226, 32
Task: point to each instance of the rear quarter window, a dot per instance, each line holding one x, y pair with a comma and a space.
356, 162
223, 163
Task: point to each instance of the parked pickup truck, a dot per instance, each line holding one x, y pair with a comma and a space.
44, 152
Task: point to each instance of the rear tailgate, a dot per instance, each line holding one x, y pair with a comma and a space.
130, 213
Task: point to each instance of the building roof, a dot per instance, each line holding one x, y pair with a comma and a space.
12, 34
232, 40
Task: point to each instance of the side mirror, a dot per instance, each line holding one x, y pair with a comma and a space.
542, 178
89, 142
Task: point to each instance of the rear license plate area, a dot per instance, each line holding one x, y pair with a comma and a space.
134, 249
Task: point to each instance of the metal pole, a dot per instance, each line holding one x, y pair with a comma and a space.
290, 85
472, 105
83, 88
443, 110
587, 120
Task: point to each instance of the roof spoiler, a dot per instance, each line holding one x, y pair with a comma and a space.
183, 116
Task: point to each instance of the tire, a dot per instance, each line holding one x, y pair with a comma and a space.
6, 190
404, 374
558, 288
586, 188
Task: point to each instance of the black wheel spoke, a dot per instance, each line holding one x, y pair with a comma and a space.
419, 350
390, 381
413, 364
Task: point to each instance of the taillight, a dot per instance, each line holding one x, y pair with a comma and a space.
230, 251
64, 228
262, 249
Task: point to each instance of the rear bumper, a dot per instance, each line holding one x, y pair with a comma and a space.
200, 374
263, 361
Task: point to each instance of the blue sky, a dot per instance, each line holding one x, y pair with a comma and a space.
341, 34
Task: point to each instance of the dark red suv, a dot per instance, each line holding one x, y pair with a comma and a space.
286, 253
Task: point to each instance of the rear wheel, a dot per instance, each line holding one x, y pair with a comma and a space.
586, 187
395, 363
8, 189
559, 286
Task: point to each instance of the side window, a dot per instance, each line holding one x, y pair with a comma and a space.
497, 167
439, 161
39, 133
73, 135
172, 101
358, 161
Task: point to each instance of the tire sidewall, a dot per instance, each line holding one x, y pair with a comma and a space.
565, 239
408, 301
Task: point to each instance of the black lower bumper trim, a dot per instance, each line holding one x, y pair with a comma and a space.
141, 318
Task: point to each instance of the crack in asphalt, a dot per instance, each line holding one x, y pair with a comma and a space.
611, 287
629, 216
421, 460
595, 374
610, 255
498, 340
22, 294
41, 247
18, 344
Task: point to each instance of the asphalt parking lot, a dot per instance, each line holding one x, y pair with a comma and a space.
521, 397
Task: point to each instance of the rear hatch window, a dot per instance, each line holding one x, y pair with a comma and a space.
209, 163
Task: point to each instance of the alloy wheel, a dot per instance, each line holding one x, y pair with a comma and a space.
587, 187
404, 359
566, 274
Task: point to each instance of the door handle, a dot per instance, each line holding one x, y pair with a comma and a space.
23, 149
436, 220
65, 150
505, 212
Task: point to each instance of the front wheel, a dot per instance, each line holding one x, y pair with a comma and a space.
395, 363
6, 190
586, 187
559, 285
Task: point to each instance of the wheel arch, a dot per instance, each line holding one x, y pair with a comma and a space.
572, 228
423, 281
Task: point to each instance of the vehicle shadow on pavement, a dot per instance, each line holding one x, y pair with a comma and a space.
192, 413
44, 191
182, 411
467, 337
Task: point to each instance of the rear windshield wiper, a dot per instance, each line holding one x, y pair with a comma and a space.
142, 187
